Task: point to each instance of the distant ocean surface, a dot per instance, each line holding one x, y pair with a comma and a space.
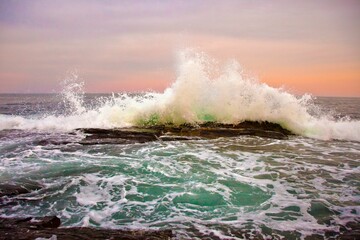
224, 188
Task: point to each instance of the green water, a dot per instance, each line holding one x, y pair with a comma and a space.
219, 188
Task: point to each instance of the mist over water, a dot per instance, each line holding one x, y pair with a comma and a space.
222, 188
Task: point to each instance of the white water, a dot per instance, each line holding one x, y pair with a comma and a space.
199, 94
213, 186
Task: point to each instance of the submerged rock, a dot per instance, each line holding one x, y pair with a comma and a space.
9, 192
47, 228
13, 189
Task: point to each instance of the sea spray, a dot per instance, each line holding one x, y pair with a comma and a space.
198, 95
73, 94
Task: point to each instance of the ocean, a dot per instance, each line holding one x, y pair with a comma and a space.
306, 186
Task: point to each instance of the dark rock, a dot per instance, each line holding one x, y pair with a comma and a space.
45, 142
50, 222
177, 138
182, 132
118, 136
351, 231
46, 227
30, 222
209, 130
9, 192
13, 189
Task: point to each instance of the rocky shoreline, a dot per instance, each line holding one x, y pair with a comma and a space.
48, 228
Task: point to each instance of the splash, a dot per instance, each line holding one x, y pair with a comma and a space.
73, 94
202, 92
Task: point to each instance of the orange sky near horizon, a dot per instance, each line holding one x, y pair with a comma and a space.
303, 46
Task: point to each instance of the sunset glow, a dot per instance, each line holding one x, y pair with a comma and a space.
303, 46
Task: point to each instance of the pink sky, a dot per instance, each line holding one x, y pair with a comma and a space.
303, 46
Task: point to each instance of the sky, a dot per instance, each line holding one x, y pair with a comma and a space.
114, 46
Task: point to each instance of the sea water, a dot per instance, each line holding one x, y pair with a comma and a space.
225, 188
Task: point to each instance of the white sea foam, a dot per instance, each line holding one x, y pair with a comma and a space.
281, 180
198, 95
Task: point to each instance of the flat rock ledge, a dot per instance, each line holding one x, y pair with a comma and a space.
48, 228
183, 132
12, 189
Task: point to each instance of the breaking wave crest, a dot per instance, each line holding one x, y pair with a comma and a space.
202, 92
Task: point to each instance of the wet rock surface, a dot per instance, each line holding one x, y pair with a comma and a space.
10, 192
30, 222
12, 189
182, 132
118, 136
47, 228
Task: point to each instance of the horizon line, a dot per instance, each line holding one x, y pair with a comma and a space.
99, 93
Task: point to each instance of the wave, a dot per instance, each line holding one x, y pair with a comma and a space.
202, 92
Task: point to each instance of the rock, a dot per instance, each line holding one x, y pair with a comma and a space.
177, 138
182, 132
47, 228
118, 136
30, 222
49, 222
209, 130
9, 192
350, 231
13, 189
